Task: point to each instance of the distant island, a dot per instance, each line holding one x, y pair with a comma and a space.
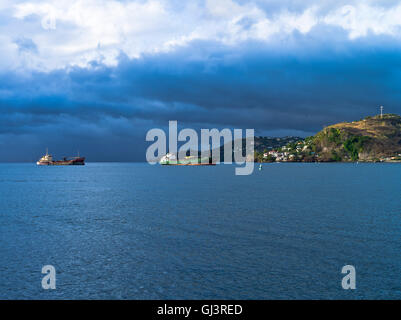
373, 139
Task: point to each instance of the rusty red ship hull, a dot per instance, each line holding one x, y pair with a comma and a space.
72, 162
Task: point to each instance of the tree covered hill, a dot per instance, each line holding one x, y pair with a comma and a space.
370, 139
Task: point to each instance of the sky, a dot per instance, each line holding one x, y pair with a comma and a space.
96, 75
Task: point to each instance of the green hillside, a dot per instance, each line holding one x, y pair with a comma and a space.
371, 139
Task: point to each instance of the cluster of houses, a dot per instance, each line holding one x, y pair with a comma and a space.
279, 156
287, 153
298, 150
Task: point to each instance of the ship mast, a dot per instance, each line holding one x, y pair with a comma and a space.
210, 154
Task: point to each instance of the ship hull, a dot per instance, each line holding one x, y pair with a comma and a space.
188, 162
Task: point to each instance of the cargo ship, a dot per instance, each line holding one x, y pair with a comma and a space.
171, 159
47, 160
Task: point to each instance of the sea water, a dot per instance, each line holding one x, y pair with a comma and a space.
136, 231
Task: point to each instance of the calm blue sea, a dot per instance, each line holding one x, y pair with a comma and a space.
136, 231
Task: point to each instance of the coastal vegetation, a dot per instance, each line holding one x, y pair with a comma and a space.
373, 139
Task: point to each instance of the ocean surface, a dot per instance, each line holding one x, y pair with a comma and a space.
136, 231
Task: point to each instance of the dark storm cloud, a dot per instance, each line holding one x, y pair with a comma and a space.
294, 86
